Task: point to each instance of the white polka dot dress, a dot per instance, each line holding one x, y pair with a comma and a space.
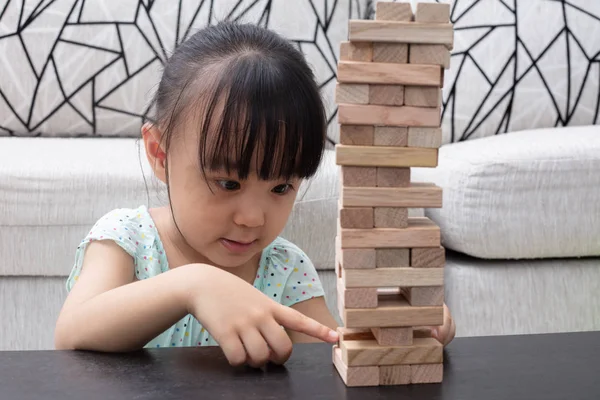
285, 273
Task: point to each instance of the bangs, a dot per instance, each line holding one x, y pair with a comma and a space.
261, 118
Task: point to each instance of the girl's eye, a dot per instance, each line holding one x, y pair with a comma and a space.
282, 189
229, 185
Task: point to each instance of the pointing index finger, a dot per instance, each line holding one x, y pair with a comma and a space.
296, 321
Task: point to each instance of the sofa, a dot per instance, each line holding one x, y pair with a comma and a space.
519, 162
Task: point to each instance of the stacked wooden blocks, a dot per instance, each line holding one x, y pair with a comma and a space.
390, 266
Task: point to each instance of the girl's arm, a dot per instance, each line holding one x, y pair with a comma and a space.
107, 310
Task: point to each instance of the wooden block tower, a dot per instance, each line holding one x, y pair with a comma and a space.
389, 266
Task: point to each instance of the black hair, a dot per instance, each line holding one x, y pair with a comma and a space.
255, 94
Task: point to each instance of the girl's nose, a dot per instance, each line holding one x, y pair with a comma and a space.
249, 214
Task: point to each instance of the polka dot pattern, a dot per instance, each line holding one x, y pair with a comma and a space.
285, 273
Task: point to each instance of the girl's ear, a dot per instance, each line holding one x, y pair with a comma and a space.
154, 151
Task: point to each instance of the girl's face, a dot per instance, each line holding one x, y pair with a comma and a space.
223, 218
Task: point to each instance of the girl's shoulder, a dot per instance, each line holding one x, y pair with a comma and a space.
133, 230
130, 228
287, 274
285, 252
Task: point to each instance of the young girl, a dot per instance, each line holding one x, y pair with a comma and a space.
239, 125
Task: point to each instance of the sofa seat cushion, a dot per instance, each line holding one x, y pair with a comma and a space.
529, 194
520, 297
52, 191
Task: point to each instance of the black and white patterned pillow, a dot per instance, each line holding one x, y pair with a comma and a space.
88, 68
75, 68
521, 64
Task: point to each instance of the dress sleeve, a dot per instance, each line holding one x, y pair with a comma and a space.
303, 282
112, 226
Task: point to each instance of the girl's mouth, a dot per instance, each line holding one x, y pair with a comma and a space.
235, 246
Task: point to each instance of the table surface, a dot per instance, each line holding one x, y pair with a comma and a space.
551, 366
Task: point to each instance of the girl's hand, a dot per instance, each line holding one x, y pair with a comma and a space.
247, 324
445, 333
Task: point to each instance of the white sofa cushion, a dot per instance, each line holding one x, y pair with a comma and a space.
531, 194
53, 190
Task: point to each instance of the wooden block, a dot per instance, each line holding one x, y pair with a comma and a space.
345, 51
357, 217
355, 333
433, 12
390, 217
363, 297
389, 73
386, 277
387, 95
352, 93
337, 262
388, 11
394, 375
393, 177
341, 306
427, 373
390, 136
368, 353
425, 296
417, 194
421, 96
384, 156
393, 336
435, 54
424, 137
361, 30
391, 53
357, 135
357, 258
393, 313
358, 114
421, 232
360, 51
355, 376
432, 257
359, 176
392, 258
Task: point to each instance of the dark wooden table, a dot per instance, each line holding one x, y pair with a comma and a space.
557, 366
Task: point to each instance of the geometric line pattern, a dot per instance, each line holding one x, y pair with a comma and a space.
89, 68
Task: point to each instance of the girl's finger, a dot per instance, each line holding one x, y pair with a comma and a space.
279, 342
233, 349
296, 321
256, 347
452, 331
